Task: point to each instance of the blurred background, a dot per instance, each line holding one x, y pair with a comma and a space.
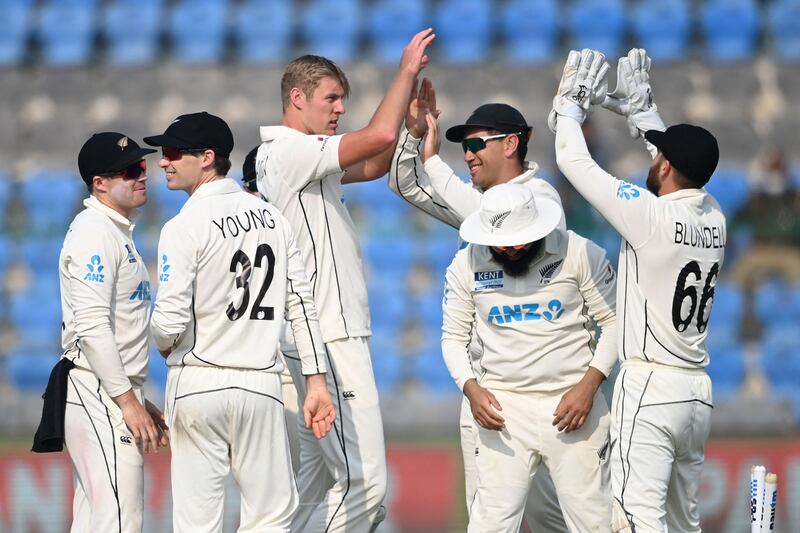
69, 68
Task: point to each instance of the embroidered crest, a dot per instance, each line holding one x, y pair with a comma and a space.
547, 271
498, 219
122, 143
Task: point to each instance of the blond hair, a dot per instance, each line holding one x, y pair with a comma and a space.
305, 73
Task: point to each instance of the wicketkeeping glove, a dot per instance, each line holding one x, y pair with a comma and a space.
633, 96
583, 84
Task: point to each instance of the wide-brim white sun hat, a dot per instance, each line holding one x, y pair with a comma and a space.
509, 215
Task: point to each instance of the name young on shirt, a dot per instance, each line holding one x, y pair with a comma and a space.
244, 222
699, 236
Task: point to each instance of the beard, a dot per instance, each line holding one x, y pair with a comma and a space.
652, 180
520, 264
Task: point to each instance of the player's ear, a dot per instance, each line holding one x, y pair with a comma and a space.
209, 156
297, 98
511, 145
99, 184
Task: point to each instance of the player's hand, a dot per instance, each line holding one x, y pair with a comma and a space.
575, 405
484, 406
139, 421
160, 422
633, 95
433, 140
423, 103
583, 83
414, 58
318, 411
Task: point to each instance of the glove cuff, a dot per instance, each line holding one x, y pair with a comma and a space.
647, 120
566, 107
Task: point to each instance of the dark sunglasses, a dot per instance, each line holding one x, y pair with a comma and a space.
476, 144
134, 171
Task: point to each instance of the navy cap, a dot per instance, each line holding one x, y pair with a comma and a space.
499, 117
196, 131
108, 152
249, 170
692, 150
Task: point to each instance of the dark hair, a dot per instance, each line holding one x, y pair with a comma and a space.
221, 164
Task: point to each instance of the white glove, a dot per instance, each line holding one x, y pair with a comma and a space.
583, 83
633, 96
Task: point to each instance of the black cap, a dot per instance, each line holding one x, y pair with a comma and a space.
108, 152
196, 131
690, 149
500, 117
249, 170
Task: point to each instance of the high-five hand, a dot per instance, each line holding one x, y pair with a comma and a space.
582, 84
423, 102
414, 58
633, 96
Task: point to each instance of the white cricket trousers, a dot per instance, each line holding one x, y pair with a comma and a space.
661, 418
342, 478
228, 420
107, 465
507, 461
542, 511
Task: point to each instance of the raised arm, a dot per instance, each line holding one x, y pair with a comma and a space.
366, 153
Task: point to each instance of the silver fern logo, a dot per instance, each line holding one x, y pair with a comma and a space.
497, 220
547, 271
122, 143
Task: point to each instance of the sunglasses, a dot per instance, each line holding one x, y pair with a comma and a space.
476, 144
134, 171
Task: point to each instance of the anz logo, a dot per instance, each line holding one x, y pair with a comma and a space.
142, 292
523, 312
164, 276
626, 191
95, 267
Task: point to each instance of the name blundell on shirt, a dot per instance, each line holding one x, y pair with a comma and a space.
244, 222
699, 236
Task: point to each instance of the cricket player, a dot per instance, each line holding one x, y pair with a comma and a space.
301, 166
673, 243
105, 302
229, 271
495, 142
526, 291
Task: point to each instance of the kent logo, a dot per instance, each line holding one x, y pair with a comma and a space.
95, 268
142, 292
506, 314
164, 277
492, 279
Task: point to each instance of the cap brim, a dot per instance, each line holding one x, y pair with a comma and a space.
166, 140
133, 156
472, 231
456, 133
655, 137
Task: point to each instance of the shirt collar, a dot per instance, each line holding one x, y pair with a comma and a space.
686, 193
213, 188
270, 133
118, 218
530, 172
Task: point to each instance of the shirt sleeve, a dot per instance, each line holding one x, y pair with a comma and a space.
630, 209
178, 269
301, 311
461, 197
91, 297
407, 178
302, 159
598, 285
458, 309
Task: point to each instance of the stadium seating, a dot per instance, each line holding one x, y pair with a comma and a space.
29, 371
14, 27
663, 28
776, 302
780, 362
598, 24
530, 29
131, 31
40, 256
391, 26
728, 306
35, 313
51, 198
463, 31
783, 19
431, 371
65, 33
332, 28
731, 189
263, 30
198, 29
730, 29
727, 371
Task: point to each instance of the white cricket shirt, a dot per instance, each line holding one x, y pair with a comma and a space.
672, 250
438, 191
535, 330
300, 175
229, 271
105, 298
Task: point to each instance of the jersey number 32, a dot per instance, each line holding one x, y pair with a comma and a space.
240, 262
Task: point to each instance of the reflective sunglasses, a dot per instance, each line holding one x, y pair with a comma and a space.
134, 171
476, 144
